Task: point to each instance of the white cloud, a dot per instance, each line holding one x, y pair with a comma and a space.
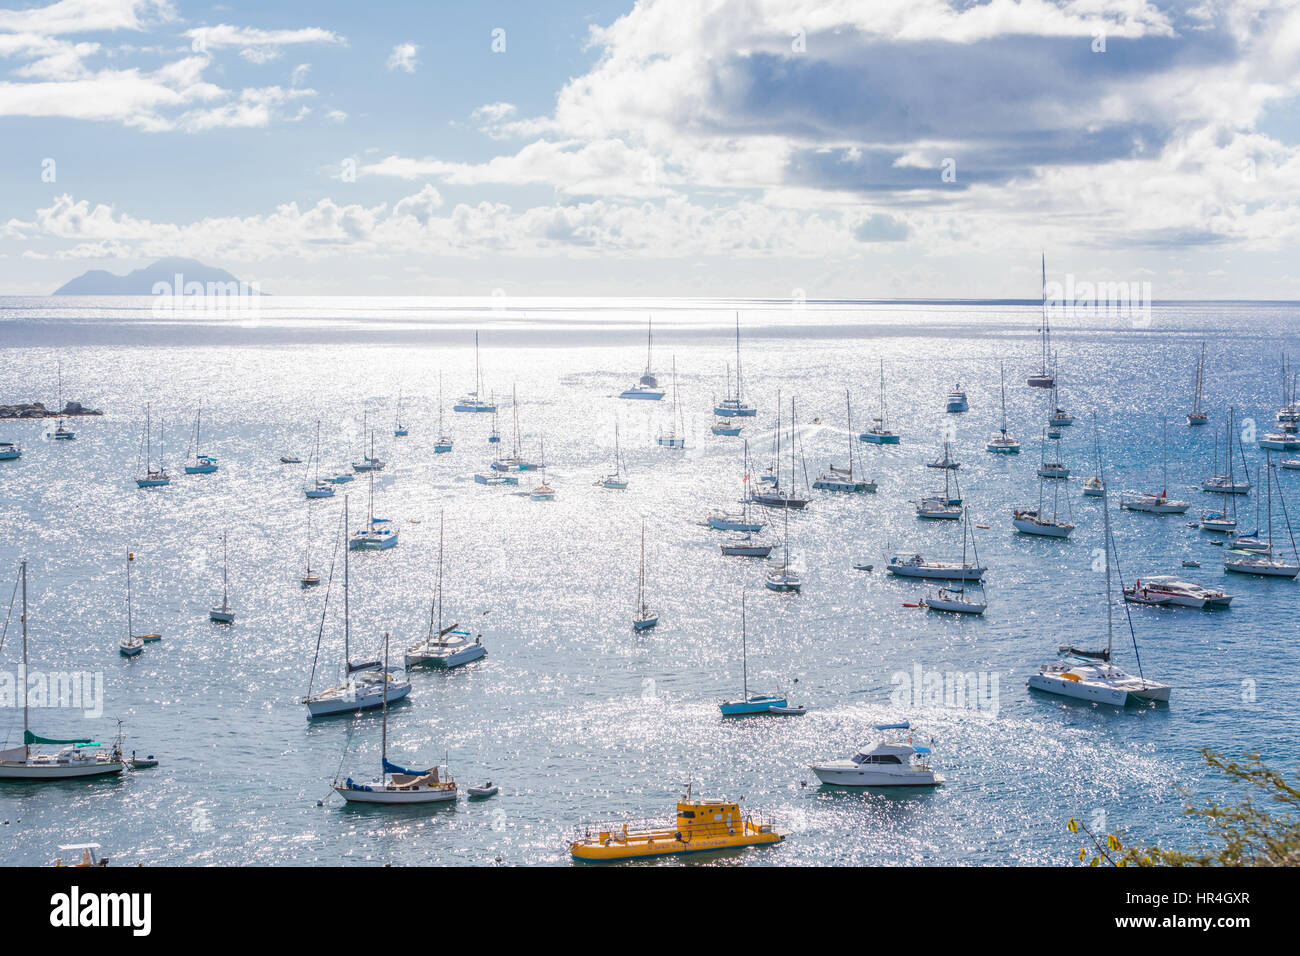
404, 57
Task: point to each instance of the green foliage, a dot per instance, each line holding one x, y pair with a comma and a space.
1260, 827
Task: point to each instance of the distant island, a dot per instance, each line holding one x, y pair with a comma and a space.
163, 273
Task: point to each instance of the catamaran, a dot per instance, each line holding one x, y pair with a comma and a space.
1221, 483
364, 685
77, 756
1044, 377
1091, 675
397, 784
676, 436
474, 402
748, 704
648, 387
10, 451
842, 479
516, 461
60, 432
1264, 562
448, 646
878, 434
1197, 415
886, 764
645, 618
734, 406
151, 477
1159, 504
200, 464
1002, 443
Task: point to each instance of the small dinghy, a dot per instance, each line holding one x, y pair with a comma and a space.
788, 711
488, 789
290, 460
862, 566
143, 763
1191, 564
149, 638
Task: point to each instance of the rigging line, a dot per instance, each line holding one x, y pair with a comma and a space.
320, 633
1128, 611
8, 614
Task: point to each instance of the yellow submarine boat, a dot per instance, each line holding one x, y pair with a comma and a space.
701, 826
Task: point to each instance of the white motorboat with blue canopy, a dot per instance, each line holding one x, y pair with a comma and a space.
886, 763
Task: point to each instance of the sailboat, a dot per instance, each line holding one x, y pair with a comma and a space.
365, 685
1037, 522
60, 432
378, 534
1002, 443
615, 479
516, 461
494, 436
1091, 675
202, 464
1054, 468
734, 406
946, 506
473, 402
77, 756
1250, 541
1197, 415
726, 427
223, 614
648, 387
782, 579
878, 434
1159, 504
443, 444
1058, 417
720, 520
397, 784
319, 488
1265, 563
133, 644
1095, 487
955, 600
645, 618
310, 578
776, 495
399, 429
1044, 377
946, 460
151, 477
842, 479
1227, 484
543, 492
448, 646
368, 462
758, 703
674, 439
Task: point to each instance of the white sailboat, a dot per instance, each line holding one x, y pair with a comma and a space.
474, 402
397, 785
916, 565
1002, 443
1265, 562
1044, 378
676, 436
1226, 483
364, 685
843, 479
309, 578
368, 462
149, 476
448, 646
879, 433
721, 520
319, 488
399, 427
1095, 487
776, 495
132, 645
955, 600
783, 579
1091, 675
1225, 520
645, 618
223, 613
1036, 521
647, 389
946, 506
616, 479
1160, 504
61, 432
77, 757
379, 534
734, 406
201, 463
444, 443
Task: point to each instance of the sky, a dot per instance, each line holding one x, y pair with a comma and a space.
765, 148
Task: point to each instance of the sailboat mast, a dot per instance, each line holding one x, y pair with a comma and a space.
26, 747
1047, 331
640, 584
1110, 627
744, 649
225, 593
383, 747
347, 619
848, 413
130, 626
737, 359
441, 522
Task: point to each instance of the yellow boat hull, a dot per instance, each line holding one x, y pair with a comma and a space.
616, 845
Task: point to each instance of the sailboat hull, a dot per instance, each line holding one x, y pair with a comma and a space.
380, 793
23, 770
732, 410
1097, 692
325, 706
873, 439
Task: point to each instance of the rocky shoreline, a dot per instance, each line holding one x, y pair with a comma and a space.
37, 410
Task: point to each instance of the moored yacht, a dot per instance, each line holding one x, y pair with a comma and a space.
647, 388
883, 764
957, 400
474, 402
1002, 443
733, 406
905, 565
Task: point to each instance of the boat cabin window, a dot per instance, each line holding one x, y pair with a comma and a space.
877, 758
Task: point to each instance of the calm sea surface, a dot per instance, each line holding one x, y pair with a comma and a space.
575, 716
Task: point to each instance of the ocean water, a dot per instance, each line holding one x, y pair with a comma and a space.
577, 718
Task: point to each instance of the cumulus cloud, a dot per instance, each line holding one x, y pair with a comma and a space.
404, 57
